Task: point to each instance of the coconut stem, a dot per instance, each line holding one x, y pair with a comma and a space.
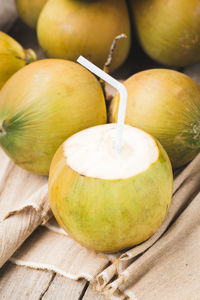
112, 49
110, 57
30, 56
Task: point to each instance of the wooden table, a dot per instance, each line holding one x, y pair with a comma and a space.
21, 283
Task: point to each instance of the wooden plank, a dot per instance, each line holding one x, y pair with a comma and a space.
91, 294
62, 288
21, 283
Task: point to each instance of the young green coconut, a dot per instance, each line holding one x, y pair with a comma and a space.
12, 57
29, 11
106, 200
166, 104
43, 104
169, 31
69, 28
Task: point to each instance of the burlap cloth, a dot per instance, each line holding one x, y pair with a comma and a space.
167, 266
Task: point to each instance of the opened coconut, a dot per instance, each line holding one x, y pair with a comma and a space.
43, 104
108, 200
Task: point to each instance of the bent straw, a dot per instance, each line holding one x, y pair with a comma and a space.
123, 97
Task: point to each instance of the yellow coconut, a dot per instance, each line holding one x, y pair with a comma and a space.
29, 11
43, 104
106, 200
169, 31
12, 57
69, 28
166, 104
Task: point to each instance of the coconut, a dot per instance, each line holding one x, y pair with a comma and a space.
69, 28
29, 11
169, 32
43, 104
166, 104
13, 57
108, 200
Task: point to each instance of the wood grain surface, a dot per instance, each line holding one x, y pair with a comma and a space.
21, 283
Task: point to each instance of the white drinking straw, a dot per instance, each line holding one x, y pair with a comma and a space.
123, 97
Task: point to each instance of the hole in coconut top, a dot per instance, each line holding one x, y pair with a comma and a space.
91, 153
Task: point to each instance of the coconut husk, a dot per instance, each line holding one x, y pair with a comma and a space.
151, 270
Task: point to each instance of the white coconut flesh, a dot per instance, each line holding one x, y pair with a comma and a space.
91, 152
